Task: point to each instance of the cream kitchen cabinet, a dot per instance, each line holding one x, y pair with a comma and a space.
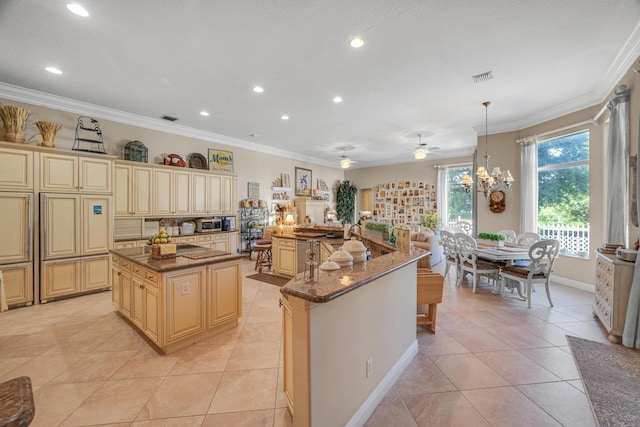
234, 242
67, 277
224, 293
171, 192
132, 192
200, 196
287, 344
221, 242
284, 256
314, 209
185, 303
16, 170
206, 241
221, 194
62, 173
613, 285
18, 283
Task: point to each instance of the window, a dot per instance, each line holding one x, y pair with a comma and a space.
458, 199
563, 192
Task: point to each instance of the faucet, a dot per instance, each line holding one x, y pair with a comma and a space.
358, 236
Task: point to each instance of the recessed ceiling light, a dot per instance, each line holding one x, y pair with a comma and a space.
204, 113
258, 89
53, 70
77, 9
337, 100
284, 117
356, 42
253, 135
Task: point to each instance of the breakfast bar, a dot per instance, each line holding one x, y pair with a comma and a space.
348, 335
179, 300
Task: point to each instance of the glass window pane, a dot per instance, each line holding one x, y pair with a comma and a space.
458, 200
571, 148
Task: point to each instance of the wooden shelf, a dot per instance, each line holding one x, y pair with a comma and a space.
281, 188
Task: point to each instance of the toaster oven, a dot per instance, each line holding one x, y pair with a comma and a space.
208, 224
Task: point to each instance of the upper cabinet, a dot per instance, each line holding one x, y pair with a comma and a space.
132, 192
16, 170
171, 192
62, 173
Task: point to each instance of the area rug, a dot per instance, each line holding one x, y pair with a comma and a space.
269, 278
611, 378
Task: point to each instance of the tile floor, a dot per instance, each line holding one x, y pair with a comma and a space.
491, 362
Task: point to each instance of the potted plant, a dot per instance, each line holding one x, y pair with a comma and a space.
48, 131
13, 119
346, 201
377, 230
432, 221
492, 239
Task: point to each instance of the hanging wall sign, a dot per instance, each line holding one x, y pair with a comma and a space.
220, 160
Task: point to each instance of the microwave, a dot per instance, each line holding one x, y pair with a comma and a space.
208, 224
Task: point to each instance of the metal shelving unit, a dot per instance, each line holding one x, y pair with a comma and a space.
254, 216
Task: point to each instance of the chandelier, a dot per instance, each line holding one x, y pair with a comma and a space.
486, 183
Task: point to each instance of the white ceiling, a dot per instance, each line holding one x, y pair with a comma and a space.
414, 74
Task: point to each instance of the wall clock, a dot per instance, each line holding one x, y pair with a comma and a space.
496, 201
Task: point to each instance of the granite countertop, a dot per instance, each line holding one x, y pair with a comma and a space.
142, 256
196, 233
332, 284
339, 240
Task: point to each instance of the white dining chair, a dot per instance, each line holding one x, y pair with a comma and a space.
527, 238
448, 243
509, 234
543, 255
464, 226
469, 262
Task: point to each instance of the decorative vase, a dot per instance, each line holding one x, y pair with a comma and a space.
14, 137
48, 142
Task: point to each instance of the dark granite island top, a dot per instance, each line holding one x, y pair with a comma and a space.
332, 284
142, 256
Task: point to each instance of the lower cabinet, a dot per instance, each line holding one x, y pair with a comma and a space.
221, 242
613, 286
61, 278
178, 307
284, 256
18, 283
287, 343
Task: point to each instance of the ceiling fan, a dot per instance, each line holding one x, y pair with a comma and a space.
346, 162
420, 152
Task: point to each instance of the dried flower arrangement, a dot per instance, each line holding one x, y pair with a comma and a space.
13, 119
48, 131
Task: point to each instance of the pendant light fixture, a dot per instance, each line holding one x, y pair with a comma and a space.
420, 153
486, 183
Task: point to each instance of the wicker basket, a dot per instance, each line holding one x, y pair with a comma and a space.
159, 251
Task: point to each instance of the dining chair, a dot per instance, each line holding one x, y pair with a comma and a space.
448, 243
464, 226
527, 238
509, 234
543, 255
469, 262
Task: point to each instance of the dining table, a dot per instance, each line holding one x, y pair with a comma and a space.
509, 254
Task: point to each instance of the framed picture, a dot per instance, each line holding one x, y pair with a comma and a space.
220, 160
303, 182
253, 190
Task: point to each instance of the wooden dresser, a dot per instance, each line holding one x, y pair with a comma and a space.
613, 284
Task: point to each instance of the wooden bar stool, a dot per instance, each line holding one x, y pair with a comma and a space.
263, 259
430, 286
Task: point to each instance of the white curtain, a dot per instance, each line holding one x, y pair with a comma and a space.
618, 168
442, 190
529, 184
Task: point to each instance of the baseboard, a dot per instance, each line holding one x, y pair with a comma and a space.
364, 412
573, 283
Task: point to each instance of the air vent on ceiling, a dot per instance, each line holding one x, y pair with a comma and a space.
169, 118
483, 77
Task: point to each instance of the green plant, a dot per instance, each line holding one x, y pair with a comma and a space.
377, 226
431, 220
346, 201
492, 236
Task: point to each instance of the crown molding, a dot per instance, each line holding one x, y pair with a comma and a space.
30, 96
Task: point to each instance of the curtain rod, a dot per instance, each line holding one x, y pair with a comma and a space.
582, 123
453, 165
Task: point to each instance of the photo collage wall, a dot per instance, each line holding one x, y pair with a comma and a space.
403, 202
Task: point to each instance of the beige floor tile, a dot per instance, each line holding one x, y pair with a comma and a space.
422, 376
200, 359
128, 340
8, 364
82, 342
439, 343
171, 422
554, 360
562, 401
42, 369
577, 384
516, 368
466, 371
516, 337
281, 400
476, 340
262, 418
181, 396
55, 402
443, 409
261, 332
94, 367
114, 402
282, 418
254, 356
30, 345
591, 330
548, 332
245, 391
496, 406
147, 363
391, 412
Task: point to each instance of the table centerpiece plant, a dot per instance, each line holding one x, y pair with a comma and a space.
431, 220
377, 230
492, 239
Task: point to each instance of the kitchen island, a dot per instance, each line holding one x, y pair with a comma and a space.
348, 336
177, 301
